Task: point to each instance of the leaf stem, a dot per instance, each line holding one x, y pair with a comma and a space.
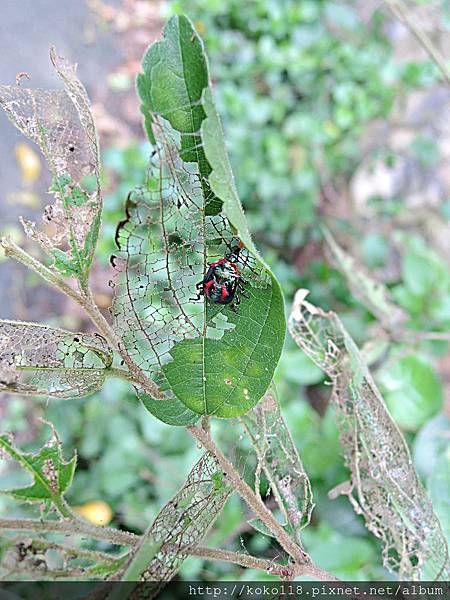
71, 527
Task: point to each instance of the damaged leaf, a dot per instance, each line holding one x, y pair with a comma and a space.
212, 358
44, 361
385, 487
180, 525
279, 460
52, 475
61, 124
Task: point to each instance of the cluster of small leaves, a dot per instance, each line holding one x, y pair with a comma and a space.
384, 486
61, 124
45, 361
278, 459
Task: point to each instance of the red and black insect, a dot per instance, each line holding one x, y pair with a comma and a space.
223, 283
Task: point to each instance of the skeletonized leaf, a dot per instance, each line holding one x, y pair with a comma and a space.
279, 459
39, 360
52, 475
385, 487
180, 525
61, 124
372, 294
206, 357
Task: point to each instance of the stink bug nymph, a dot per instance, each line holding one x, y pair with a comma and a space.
223, 283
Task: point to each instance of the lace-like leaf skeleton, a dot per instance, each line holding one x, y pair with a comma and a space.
186, 259
61, 124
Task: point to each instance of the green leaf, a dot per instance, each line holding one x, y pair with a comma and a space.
222, 179
52, 475
224, 377
432, 439
417, 274
175, 75
298, 368
413, 391
344, 555
209, 357
424, 272
44, 361
438, 487
260, 527
64, 263
171, 411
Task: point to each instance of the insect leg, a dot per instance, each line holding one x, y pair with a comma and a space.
200, 291
236, 302
241, 287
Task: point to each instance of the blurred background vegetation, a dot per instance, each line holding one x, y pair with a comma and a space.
333, 115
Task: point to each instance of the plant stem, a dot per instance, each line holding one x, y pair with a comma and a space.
71, 527
50, 575
239, 558
120, 374
250, 497
70, 551
63, 507
12, 250
400, 10
106, 330
302, 562
87, 302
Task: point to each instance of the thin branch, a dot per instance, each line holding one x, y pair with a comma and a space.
87, 530
426, 335
106, 330
12, 250
302, 562
241, 559
400, 10
249, 496
120, 374
50, 575
69, 551
87, 302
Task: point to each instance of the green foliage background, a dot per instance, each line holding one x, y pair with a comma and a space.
297, 85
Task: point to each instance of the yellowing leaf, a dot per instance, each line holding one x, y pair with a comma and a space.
28, 161
96, 512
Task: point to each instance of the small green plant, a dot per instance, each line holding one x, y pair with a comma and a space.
190, 358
